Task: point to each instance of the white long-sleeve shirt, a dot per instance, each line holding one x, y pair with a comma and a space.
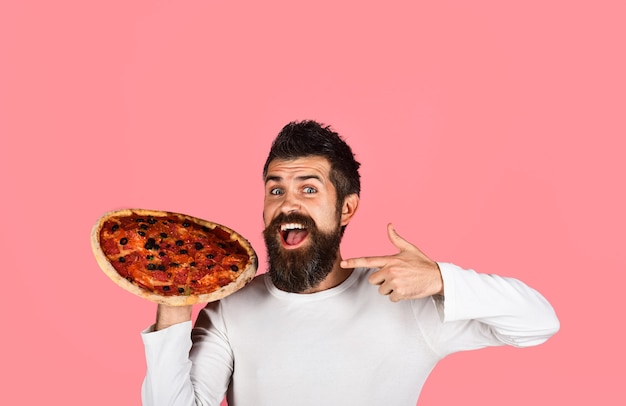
348, 345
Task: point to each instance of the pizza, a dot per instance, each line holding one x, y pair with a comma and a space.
172, 258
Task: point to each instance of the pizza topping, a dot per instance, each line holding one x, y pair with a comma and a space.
150, 244
124, 241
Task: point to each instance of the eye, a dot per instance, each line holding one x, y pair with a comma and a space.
309, 189
276, 191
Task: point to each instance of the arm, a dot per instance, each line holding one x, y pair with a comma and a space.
186, 367
167, 380
482, 309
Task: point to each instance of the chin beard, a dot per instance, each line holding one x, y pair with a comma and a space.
302, 268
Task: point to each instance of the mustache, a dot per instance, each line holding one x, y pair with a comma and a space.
282, 218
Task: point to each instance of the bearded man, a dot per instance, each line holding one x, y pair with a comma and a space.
319, 330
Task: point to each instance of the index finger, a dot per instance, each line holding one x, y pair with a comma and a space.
364, 262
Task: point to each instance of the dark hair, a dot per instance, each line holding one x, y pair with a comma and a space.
300, 139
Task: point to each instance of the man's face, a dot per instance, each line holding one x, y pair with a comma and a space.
302, 222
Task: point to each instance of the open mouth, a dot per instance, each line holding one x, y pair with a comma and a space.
293, 234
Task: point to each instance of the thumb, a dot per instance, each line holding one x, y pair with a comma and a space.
395, 238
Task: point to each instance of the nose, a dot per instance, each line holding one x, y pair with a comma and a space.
290, 204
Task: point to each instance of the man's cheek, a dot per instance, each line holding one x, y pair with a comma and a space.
266, 219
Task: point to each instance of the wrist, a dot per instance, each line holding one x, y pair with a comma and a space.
439, 280
169, 315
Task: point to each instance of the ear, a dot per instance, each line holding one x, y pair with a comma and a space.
350, 204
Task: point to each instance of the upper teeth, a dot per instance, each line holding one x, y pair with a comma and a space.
291, 226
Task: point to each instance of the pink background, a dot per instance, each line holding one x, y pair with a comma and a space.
490, 133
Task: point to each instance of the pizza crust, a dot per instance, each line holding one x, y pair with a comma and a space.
175, 300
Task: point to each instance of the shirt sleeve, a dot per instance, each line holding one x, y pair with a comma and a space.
479, 310
167, 380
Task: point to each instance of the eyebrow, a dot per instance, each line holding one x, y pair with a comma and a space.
298, 178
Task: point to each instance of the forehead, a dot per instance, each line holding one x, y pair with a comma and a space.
305, 166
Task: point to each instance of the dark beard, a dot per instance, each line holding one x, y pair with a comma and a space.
303, 268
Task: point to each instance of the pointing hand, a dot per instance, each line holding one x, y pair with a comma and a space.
409, 274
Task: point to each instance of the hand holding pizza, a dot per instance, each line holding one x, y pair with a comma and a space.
409, 274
